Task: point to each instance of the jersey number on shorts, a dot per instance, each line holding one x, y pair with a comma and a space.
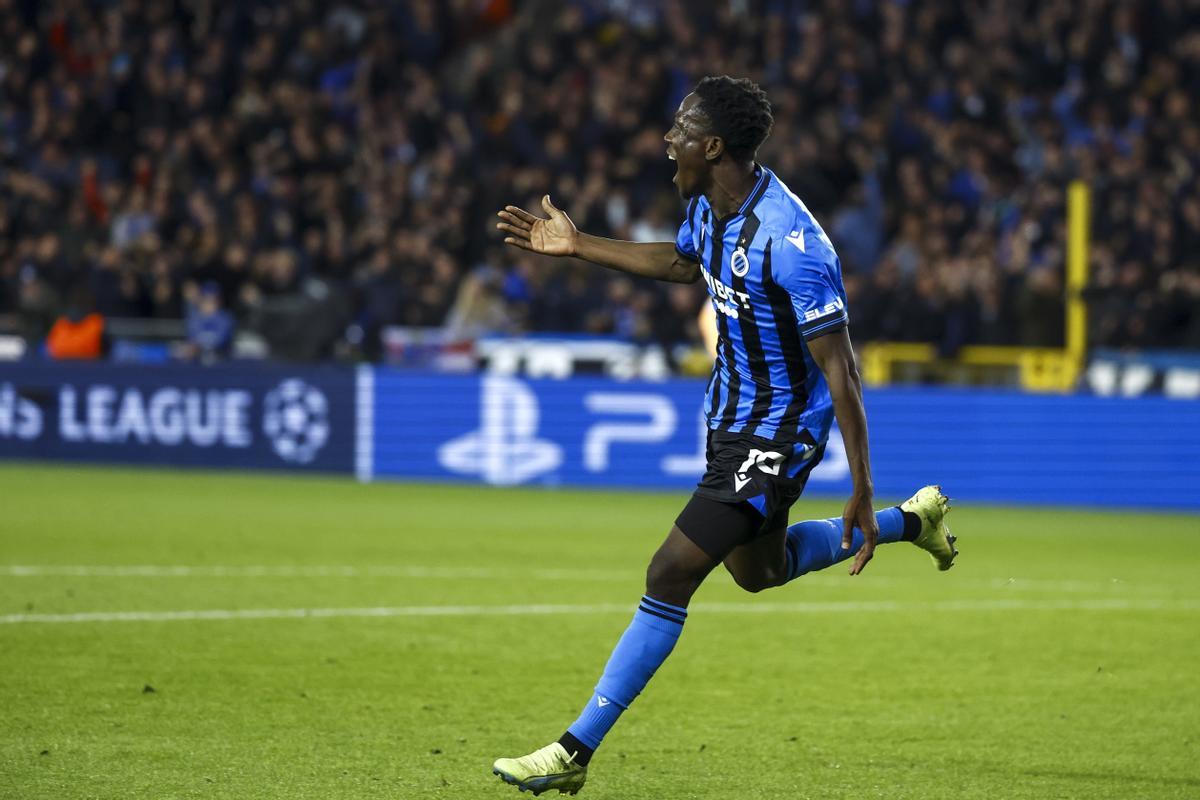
767, 461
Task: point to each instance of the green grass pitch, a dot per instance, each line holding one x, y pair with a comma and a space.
1058, 659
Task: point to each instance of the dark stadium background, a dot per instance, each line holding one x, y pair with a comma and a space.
155, 151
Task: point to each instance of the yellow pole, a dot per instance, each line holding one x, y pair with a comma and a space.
1078, 237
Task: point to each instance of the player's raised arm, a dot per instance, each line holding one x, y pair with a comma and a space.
834, 355
556, 235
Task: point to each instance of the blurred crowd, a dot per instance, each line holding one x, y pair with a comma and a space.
316, 171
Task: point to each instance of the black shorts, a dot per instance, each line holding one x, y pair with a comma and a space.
747, 489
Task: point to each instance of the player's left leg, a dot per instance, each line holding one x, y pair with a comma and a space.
677, 569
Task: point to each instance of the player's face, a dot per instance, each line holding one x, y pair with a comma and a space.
686, 144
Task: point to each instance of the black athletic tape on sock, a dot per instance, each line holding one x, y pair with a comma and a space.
912, 525
583, 753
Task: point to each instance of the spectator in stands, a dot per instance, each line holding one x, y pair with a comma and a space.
210, 327
479, 308
37, 307
79, 332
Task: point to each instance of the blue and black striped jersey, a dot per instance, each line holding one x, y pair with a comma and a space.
775, 282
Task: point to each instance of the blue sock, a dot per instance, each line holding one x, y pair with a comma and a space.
817, 543
643, 647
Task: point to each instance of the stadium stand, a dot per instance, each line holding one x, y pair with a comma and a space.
342, 162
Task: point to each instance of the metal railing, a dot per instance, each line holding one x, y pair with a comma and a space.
1037, 369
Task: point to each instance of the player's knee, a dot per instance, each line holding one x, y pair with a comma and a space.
670, 580
755, 581
661, 574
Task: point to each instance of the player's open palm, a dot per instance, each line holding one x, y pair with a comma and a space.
553, 236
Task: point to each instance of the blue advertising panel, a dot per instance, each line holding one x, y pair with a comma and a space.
986, 445
260, 416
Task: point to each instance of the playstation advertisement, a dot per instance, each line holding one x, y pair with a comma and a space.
508, 430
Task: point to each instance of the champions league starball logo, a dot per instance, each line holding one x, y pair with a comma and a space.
296, 420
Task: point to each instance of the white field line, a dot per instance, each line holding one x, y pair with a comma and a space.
604, 608
1113, 585
310, 571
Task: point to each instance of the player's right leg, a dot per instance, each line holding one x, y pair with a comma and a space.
934, 537
813, 545
781, 554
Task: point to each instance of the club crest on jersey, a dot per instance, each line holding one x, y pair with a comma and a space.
739, 262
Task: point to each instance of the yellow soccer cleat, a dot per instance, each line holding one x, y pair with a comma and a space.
932, 507
552, 767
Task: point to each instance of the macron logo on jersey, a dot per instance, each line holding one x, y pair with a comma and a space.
797, 239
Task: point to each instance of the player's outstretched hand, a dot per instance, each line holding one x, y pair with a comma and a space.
555, 236
859, 514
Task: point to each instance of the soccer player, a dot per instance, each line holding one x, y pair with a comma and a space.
784, 369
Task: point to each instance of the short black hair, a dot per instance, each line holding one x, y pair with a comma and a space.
739, 111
